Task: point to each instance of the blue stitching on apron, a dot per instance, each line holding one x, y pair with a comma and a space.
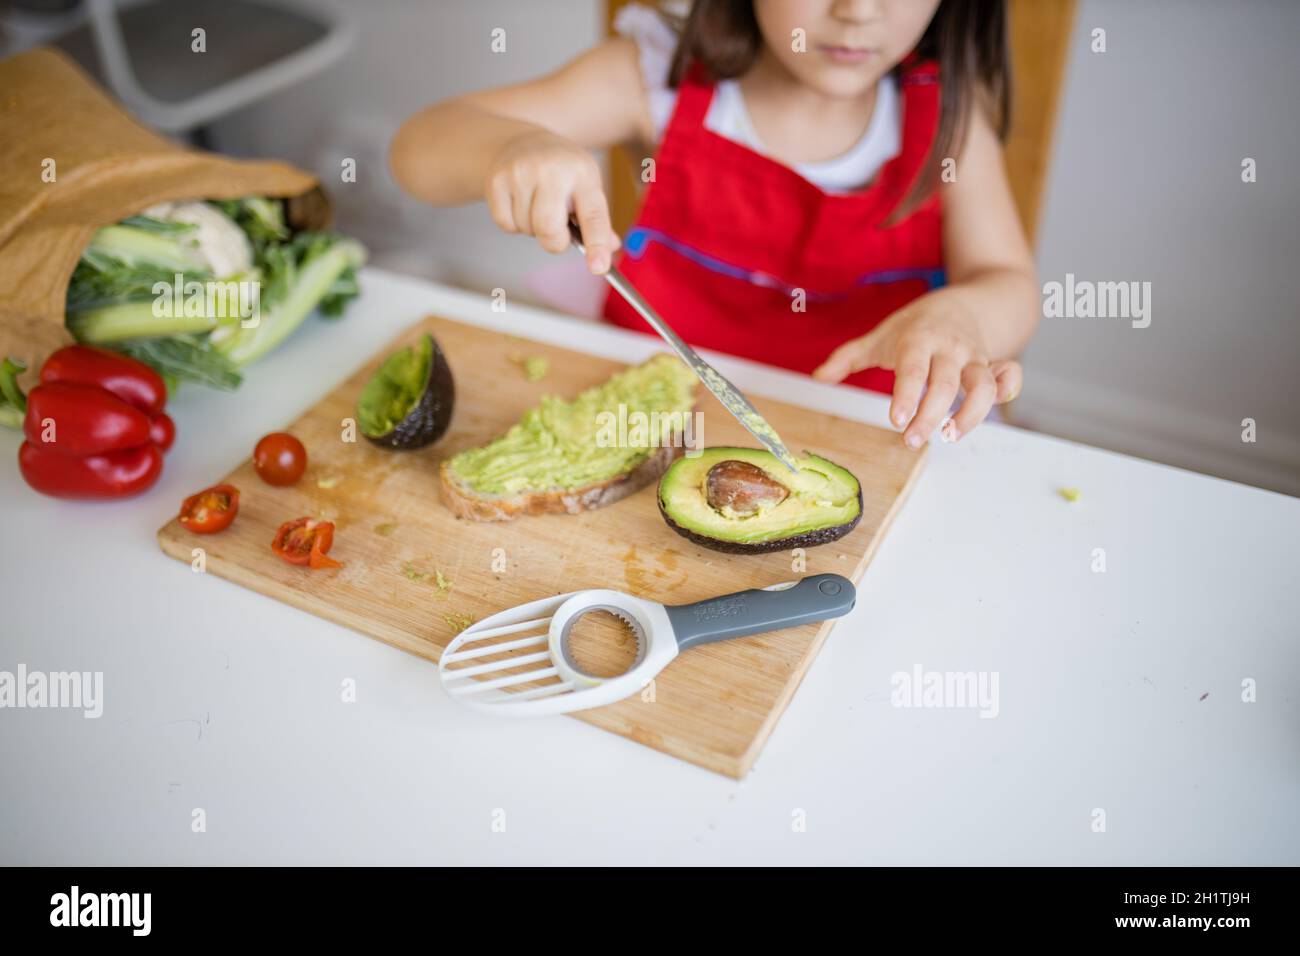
639, 238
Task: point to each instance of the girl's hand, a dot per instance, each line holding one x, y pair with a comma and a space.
537, 180
932, 344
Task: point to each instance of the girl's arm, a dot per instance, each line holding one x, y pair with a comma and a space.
524, 148
967, 334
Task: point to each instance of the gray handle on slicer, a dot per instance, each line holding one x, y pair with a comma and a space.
754, 611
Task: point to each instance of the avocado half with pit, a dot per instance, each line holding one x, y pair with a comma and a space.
407, 403
744, 501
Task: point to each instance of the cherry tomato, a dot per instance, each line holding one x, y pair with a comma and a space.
280, 459
211, 510
305, 541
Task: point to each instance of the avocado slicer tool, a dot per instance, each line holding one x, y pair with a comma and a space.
533, 671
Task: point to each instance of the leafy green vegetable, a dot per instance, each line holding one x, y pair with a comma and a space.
101, 279
126, 321
134, 246
185, 357
13, 403
343, 290
261, 219
153, 224
306, 271
111, 296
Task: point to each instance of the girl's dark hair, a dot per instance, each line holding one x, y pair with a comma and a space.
968, 39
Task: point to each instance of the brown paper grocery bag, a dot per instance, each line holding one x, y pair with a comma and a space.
72, 160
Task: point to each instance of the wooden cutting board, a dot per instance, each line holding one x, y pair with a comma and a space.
714, 706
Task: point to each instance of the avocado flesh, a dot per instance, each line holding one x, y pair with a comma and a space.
824, 503
407, 404
566, 444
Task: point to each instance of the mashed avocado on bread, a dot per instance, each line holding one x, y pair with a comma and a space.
569, 444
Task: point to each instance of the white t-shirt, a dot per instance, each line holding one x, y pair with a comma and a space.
728, 117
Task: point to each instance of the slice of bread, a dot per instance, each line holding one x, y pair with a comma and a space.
467, 501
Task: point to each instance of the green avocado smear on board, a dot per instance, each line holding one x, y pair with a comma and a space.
567, 444
744, 500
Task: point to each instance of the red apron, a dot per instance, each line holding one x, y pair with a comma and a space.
727, 239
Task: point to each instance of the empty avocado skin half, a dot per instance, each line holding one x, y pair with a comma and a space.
823, 504
407, 404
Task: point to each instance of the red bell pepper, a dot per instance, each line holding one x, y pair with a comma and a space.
95, 425
132, 381
162, 431
113, 475
81, 420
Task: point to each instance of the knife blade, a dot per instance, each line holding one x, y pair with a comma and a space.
726, 393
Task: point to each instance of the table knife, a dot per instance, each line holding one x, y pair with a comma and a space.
726, 393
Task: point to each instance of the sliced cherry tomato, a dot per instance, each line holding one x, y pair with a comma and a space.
162, 431
211, 510
279, 459
305, 541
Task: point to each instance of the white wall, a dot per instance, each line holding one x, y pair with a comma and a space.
1146, 184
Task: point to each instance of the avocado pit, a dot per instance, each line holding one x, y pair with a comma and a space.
741, 488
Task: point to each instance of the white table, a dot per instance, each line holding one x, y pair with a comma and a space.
221, 699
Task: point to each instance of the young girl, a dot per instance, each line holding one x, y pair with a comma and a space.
827, 192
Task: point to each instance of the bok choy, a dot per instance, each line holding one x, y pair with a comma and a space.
199, 290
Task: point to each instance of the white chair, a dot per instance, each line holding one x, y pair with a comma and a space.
254, 48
